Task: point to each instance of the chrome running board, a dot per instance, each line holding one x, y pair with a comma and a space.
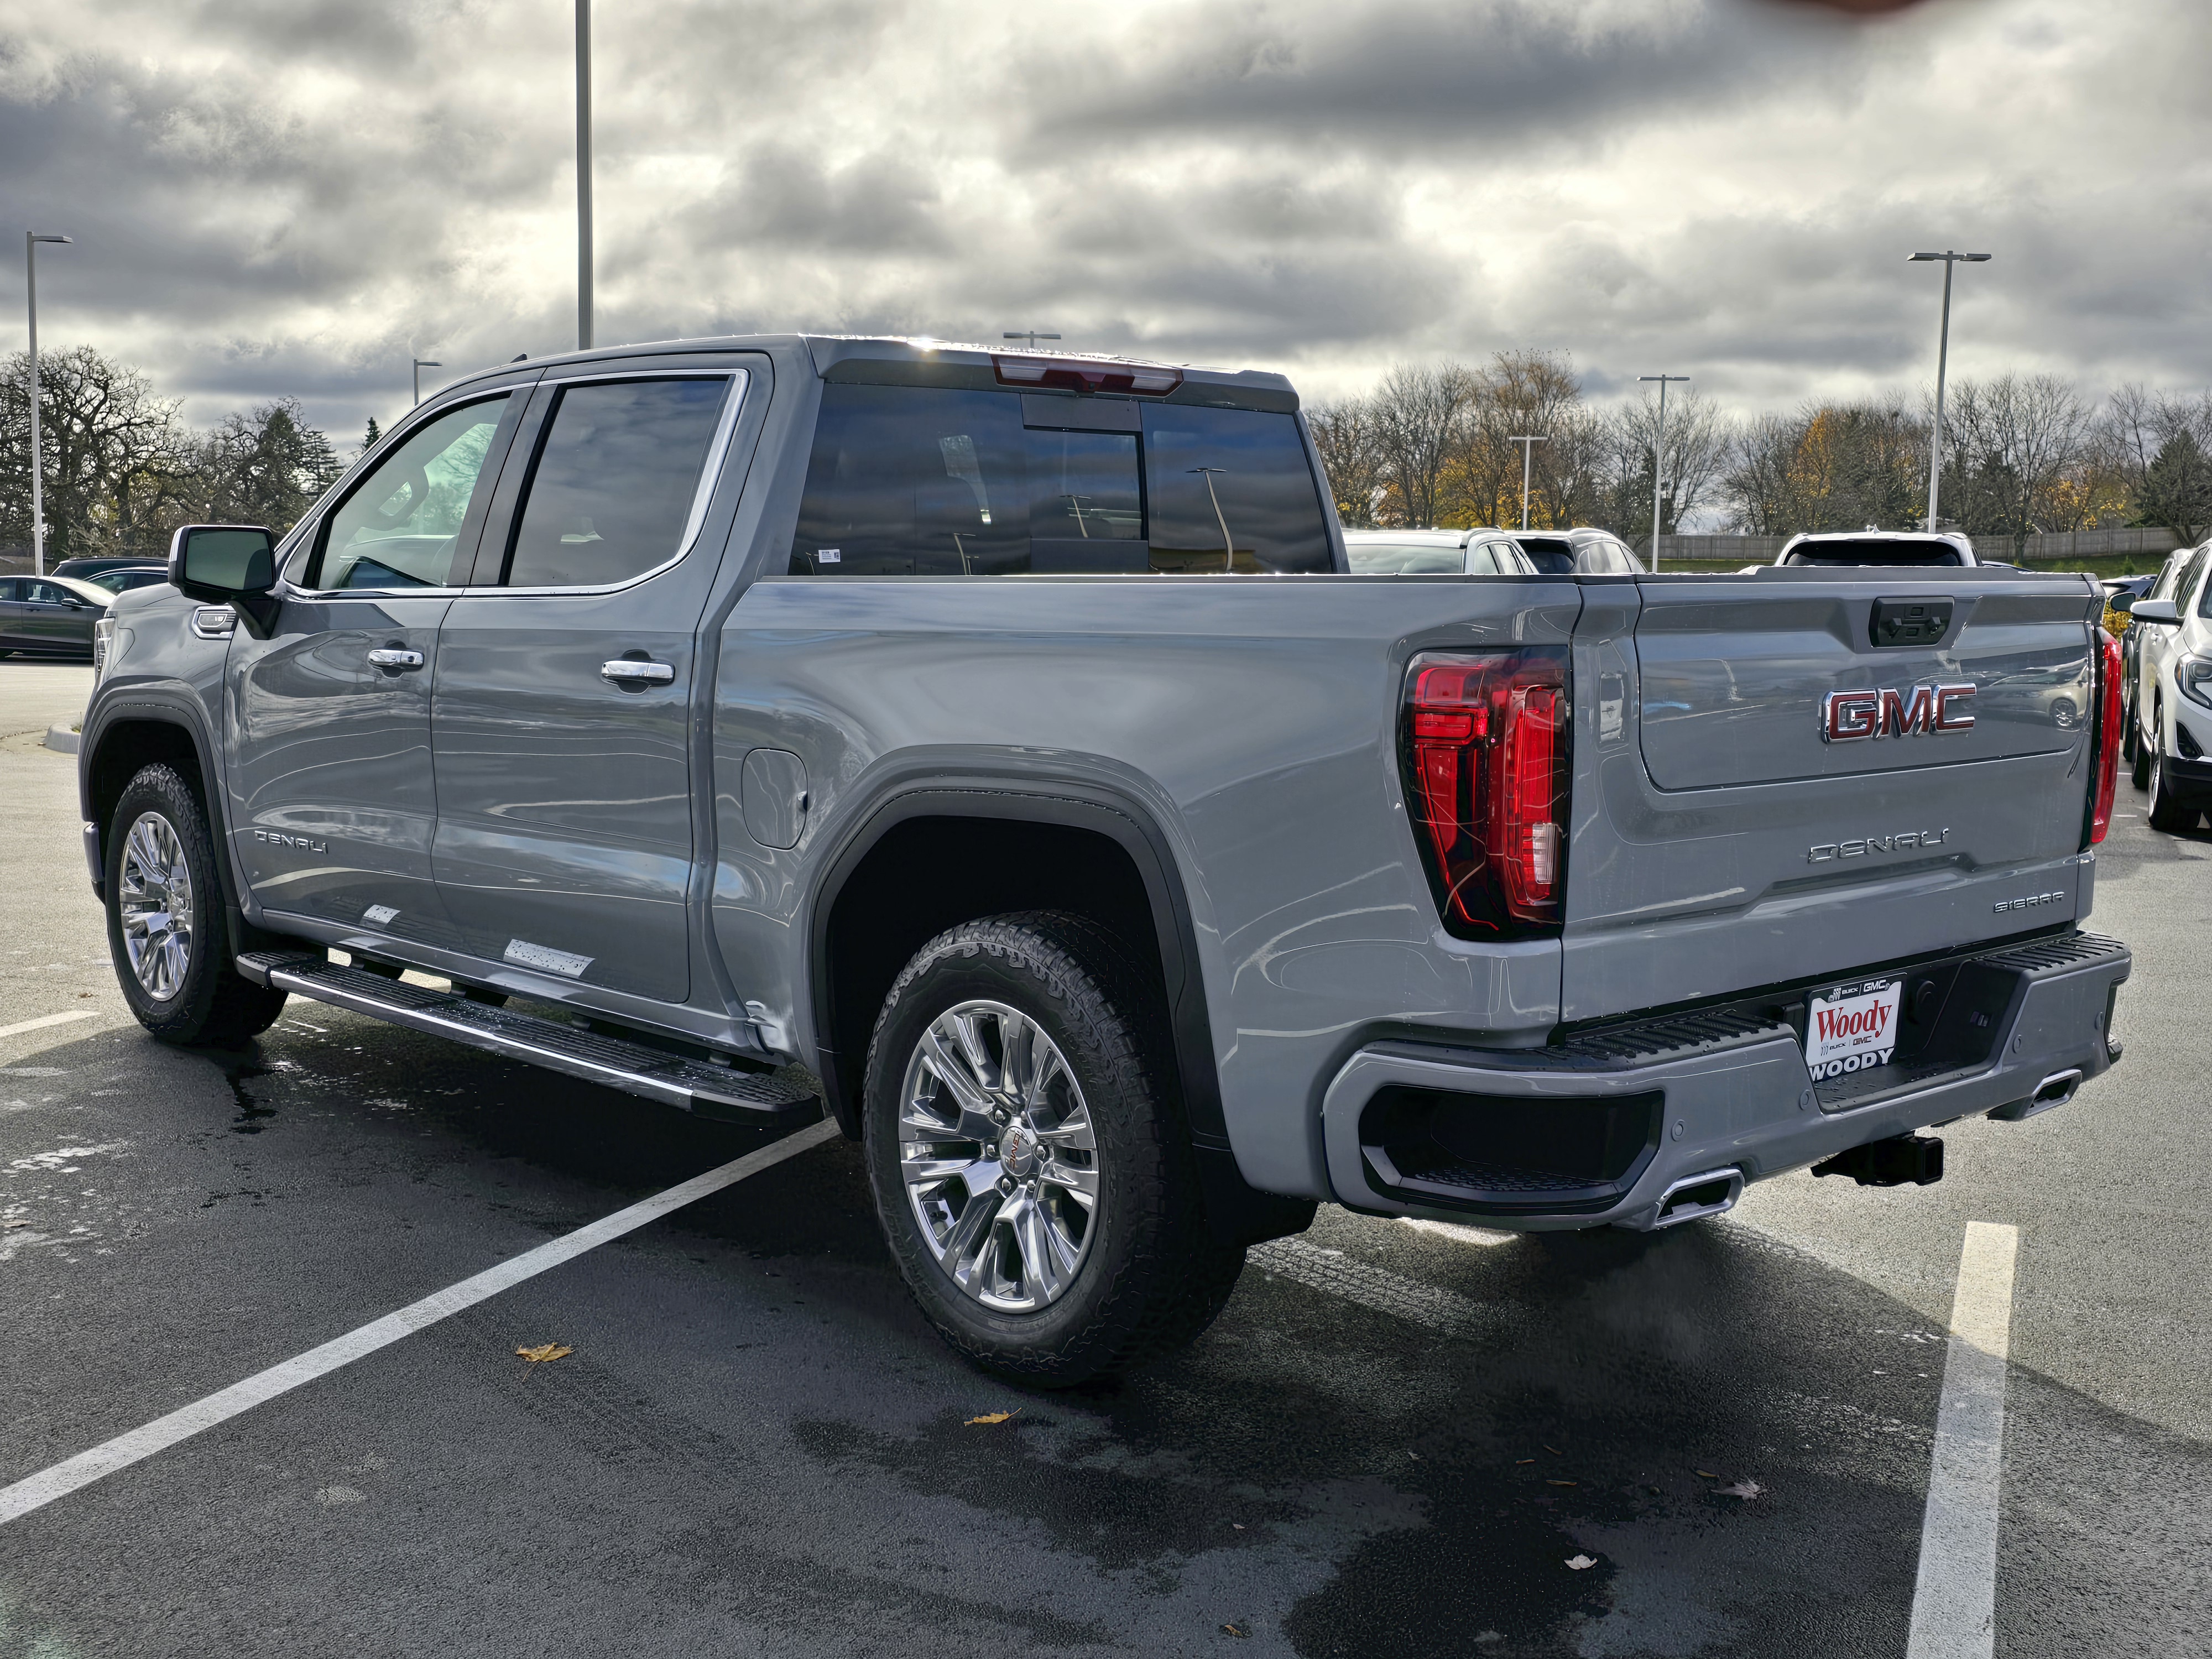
694, 1085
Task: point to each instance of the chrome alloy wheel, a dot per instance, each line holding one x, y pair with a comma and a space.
1000, 1164
154, 898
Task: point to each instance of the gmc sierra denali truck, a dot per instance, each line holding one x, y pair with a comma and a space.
992, 751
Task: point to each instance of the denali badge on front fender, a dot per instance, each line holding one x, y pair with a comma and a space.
1846, 716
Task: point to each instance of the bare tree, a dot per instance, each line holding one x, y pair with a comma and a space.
1350, 447
2017, 457
116, 458
1830, 466
1698, 442
2150, 462
1525, 393
1419, 412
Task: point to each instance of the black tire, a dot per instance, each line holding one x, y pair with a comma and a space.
1151, 1276
194, 992
2166, 812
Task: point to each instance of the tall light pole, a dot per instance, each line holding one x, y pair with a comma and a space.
1528, 448
421, 363
31, 241
1029, 334
583, 175
1943, 361
1659, 456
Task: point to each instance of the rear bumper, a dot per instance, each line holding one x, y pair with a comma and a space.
1711, 1093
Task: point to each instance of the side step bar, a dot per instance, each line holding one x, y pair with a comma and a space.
695, 1086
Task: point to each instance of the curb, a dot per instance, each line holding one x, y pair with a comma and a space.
61, 739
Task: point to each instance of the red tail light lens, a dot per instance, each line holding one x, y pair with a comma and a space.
2107, 739
1485, 749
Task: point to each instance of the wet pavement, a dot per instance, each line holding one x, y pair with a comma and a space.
1398, 1440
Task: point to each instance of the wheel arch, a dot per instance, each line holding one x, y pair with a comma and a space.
125, 734
995, 845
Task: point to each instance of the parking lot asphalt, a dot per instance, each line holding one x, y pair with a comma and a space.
1396, 1440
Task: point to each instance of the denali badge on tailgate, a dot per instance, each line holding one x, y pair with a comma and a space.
1848, 1027
1846, 716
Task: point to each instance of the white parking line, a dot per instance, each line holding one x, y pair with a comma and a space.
38, 1490
1954, 1601
44, 1020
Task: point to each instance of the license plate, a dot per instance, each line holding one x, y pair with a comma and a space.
1848, 1027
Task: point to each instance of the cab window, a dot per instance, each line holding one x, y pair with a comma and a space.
399, 526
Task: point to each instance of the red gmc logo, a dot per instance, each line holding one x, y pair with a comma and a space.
1846, 716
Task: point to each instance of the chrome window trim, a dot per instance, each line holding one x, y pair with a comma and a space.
305, 534
710, 475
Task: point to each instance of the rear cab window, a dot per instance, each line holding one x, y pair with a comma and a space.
933, 481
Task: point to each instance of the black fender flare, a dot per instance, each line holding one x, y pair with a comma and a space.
167, 705
1236, 1209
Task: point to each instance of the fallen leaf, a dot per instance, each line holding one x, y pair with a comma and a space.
1554, 1451
1559, 1483
543, 1352
1519, 1460
1579, 1563
15, 1224
1415, 1455
992, 1417
1237, 1630
1742, 1489
1708, 1474
1239, 1525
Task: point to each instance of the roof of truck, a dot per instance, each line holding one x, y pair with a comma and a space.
921, 359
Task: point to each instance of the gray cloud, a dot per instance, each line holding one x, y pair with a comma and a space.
275, 197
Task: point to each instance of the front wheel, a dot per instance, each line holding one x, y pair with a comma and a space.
165, 929
1031, 1167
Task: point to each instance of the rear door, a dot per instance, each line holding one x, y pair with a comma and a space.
1789, 775
566, 682
332, 801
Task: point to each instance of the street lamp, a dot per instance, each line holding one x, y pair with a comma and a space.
1943, 361
1659, 456
421, 363
1528, 449
1029, 334
31, 241
583, 175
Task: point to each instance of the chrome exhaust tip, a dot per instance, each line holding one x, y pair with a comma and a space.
1692, 1199
2054, 1091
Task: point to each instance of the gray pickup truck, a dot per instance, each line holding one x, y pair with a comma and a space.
992, 751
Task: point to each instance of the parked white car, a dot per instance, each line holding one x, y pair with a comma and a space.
1434, 553
2173, 693
1861, 548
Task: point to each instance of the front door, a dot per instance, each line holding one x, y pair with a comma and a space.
562, 720
332, 793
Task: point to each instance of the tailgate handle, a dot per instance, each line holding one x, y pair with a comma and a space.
1920, 621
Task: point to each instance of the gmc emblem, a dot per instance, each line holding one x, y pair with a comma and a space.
1847, 716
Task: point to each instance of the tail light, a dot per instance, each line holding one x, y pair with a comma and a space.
1485, 749
2107, 739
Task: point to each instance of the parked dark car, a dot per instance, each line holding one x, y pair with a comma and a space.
49, 616
85, 569
1585, 550
124, 577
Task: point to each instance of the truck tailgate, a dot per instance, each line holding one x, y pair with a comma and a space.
1734, 830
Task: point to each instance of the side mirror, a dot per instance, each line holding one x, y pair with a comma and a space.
2156, 610
2123, 602
227, 563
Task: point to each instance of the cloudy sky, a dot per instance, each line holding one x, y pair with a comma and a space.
275, 197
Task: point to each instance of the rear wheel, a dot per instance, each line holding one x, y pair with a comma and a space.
165, 929
2166, 812
1030, 1166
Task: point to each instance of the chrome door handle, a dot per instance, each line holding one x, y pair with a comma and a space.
395, 658
623, 671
